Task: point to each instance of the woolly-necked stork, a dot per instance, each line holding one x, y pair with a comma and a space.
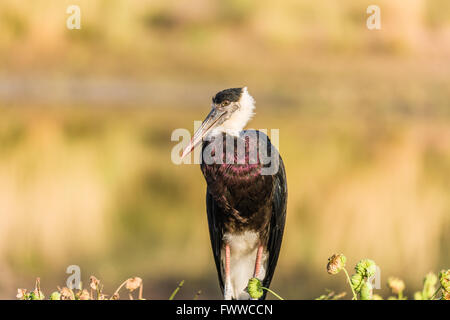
245, 201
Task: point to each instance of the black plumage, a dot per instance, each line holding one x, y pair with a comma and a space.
239, 198
230, 95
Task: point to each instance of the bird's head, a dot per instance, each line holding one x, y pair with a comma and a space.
231, 109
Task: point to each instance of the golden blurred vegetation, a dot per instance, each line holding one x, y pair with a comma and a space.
86, 118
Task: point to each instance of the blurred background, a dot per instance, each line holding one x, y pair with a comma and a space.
86, 118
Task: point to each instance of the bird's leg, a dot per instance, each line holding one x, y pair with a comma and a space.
227, 289
258, 262
256, 274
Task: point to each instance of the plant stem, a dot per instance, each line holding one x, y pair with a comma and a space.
176, 290
141, 289
38, 287
120, 287
350, 283
276, 295
199, 292
432, 297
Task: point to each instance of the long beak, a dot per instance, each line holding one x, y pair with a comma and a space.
207, 125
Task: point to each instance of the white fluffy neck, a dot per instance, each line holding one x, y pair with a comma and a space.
239, 119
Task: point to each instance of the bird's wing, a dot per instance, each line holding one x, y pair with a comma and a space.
215, 233
277, 222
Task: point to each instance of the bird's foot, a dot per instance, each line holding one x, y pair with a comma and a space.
227, 293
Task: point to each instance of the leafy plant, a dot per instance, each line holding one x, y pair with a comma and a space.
94, 292
434, 287
255, 289
365, 269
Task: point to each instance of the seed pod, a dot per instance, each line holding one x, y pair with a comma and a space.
429, 285
94, 282
55, 296
445, 295
336, 263
357, 280
366, 268
67, 294
254, 288
133, 283
21, 294
84, 295
444, 279
37, 295
397, 285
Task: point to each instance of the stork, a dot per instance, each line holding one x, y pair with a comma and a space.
246, 205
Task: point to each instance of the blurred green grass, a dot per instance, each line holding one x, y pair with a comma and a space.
86, 119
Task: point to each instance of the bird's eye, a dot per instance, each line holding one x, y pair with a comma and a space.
225, 103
